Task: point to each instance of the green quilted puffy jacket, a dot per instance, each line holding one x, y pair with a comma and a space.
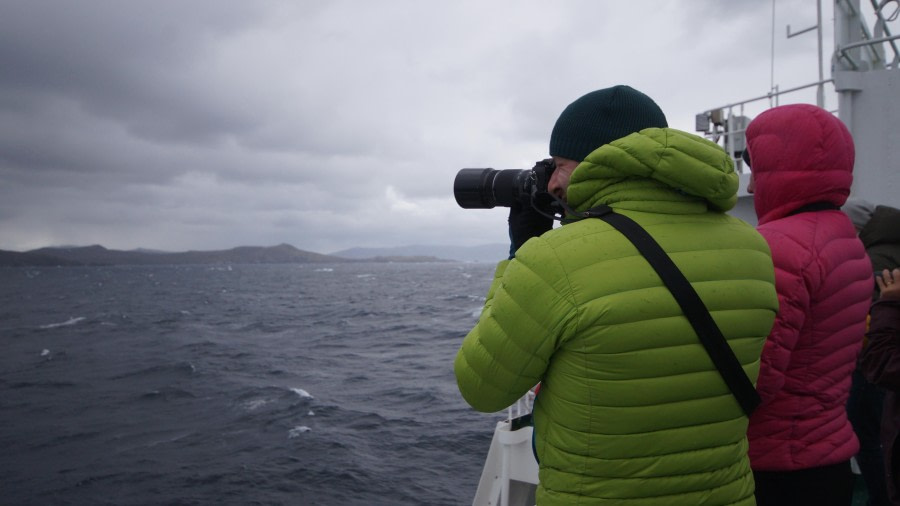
631, 408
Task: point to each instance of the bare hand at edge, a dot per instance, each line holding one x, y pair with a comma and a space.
889, 284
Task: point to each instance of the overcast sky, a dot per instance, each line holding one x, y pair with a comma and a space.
203, 125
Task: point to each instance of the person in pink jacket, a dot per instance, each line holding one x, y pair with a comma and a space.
801, 162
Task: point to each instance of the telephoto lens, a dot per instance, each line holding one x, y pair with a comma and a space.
487, 188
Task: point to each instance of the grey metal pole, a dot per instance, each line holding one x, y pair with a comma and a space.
820, 91
772, 57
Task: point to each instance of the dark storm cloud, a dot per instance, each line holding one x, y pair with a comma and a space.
325, 124
123, 60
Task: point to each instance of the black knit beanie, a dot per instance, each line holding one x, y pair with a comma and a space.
601, 117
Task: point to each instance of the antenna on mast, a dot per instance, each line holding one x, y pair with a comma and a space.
820, 89
772, 61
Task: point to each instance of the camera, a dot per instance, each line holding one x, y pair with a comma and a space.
487, 188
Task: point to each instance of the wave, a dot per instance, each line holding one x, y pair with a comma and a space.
168, 393
254, 404
178, 368
70, 321
66, 438
274, 401
42, 384
464, 297
302, 393
306, 386
296, 431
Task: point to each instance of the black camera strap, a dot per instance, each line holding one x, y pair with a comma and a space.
718, 349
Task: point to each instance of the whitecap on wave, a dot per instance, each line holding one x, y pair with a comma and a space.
70, 321
255, 404
296, 431
302, 393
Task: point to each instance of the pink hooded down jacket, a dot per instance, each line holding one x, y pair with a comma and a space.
800, 155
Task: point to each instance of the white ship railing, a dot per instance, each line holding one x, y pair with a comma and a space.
873, 44
522, 407
728, 123
841, 54
510, 473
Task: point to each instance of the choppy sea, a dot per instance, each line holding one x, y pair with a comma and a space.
247, 384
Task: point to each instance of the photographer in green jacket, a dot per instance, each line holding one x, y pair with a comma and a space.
632, 409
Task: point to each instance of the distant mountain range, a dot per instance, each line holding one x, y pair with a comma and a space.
483, 253
283, 253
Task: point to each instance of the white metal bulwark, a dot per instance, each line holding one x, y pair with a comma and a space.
510, 473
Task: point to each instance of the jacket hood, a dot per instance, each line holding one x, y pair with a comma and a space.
882, 228
881, 237
657, 169
799, 154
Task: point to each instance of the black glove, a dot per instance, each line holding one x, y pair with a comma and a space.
524, 223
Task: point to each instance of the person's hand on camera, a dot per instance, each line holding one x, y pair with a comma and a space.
524, 223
